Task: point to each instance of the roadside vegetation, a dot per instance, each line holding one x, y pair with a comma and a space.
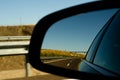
60, 53
23, 30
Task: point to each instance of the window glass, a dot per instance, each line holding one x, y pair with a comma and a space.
108, 54
94, 45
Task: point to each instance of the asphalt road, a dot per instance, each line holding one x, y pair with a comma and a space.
69, 63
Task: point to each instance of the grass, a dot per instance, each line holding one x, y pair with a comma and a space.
23, 30
52, 53
12, 62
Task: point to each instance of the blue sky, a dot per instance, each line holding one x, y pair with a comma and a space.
17, 12
76, 33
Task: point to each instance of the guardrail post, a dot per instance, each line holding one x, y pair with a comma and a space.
27, 65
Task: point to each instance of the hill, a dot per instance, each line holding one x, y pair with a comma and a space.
23, 30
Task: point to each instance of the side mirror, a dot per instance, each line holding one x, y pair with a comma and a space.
67, 41
61, 40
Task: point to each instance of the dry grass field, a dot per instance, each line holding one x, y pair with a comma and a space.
12, 62
23, 30
52, 53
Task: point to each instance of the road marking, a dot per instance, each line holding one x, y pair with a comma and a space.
69, 63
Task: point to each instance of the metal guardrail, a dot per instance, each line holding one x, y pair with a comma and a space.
10, 48
15, 38
15, 47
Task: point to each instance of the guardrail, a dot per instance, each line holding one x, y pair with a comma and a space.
13, 48
10, 47
8, 38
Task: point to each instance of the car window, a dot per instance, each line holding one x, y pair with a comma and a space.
108, 54
91, 51
95, 43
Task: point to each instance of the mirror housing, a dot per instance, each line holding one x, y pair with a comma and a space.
44, 24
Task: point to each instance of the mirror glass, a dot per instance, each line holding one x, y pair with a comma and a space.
67, 41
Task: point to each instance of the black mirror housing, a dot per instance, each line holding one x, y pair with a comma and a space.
44, 24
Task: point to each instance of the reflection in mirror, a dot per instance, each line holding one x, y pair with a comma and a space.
67, 41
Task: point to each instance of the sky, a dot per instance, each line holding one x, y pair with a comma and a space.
22, 12
76, 33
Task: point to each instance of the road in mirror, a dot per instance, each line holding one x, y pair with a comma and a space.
67, 41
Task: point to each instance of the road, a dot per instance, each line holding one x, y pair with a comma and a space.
69, 63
